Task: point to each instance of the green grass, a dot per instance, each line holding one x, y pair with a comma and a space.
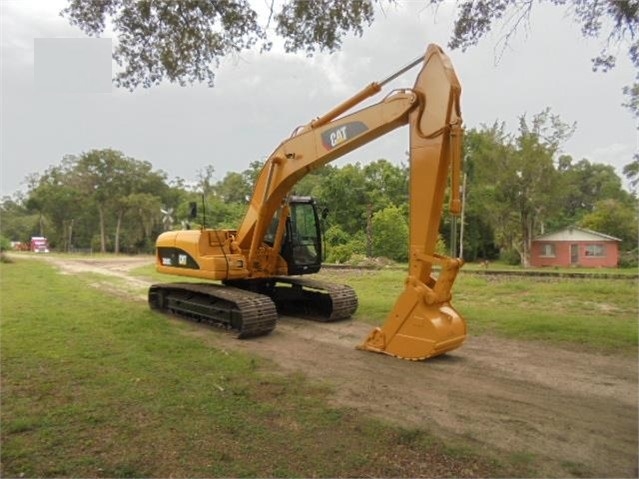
595, 313
94, 386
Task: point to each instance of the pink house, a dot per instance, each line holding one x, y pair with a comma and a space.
575, 247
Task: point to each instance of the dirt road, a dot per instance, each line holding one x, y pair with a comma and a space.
573, 412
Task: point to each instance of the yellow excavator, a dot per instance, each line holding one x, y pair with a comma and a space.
262, 265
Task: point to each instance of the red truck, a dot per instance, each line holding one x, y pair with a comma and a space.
39, 244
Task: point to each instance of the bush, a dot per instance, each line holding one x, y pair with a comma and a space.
511, 257
339, 253
5, 244
629, 259
340, 247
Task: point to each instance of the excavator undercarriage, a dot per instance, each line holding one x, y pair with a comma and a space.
244, 313
250, 308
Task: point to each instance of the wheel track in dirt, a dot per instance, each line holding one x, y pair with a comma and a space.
568, 408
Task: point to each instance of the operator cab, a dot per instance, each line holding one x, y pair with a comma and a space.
302, 244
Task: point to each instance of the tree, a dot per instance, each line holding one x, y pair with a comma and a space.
344, 192
58, 201
583, 184
205, 180
17, 221
252, 173
95, 174
135, 178
513, 182
386, 183
615, 218
532, 188
631, 171
98, 190
615, 20
142, 213
234, 188
390, 234
184, 40
340, 246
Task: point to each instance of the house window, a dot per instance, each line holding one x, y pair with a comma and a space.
547, 250
594, 250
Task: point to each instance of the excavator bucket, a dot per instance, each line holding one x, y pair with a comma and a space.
423, 324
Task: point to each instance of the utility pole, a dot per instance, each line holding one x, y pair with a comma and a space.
463, 209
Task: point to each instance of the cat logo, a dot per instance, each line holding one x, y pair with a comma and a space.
337, 136
340, 134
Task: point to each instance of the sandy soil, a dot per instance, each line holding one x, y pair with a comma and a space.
575, 411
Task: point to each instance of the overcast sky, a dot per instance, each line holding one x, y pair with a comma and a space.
258, 99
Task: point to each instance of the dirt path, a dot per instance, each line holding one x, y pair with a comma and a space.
576, 412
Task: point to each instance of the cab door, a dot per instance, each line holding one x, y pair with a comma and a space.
302, 248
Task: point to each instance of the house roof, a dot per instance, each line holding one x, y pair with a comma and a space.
574, 233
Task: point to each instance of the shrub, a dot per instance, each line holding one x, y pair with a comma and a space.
629, 259
510, 256
5, 244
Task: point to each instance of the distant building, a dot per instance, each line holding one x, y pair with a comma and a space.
575, 247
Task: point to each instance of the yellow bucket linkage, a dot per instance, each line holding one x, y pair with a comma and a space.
423, 324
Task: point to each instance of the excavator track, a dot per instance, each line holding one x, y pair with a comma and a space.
245, 313
313, 299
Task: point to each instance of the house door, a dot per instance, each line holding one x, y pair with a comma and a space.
574, 253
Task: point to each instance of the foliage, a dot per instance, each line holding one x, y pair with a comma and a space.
346, 196
513, 179
390, 234
629, 259
5, 243
184, 41
17, 223
234, 188
631, 171
510, 257
518, 186
615, 21
615, 219
99, 199
321, 24
340, 246
583, 184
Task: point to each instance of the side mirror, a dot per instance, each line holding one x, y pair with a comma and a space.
324, 213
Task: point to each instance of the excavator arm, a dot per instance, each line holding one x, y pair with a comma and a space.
423, 323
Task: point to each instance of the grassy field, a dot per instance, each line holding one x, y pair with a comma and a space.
586, 312
596, 313
95, 386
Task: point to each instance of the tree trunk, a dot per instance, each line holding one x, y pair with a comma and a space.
70, 237
461, 227
369, 231
102, 232
526, 230
117, 232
